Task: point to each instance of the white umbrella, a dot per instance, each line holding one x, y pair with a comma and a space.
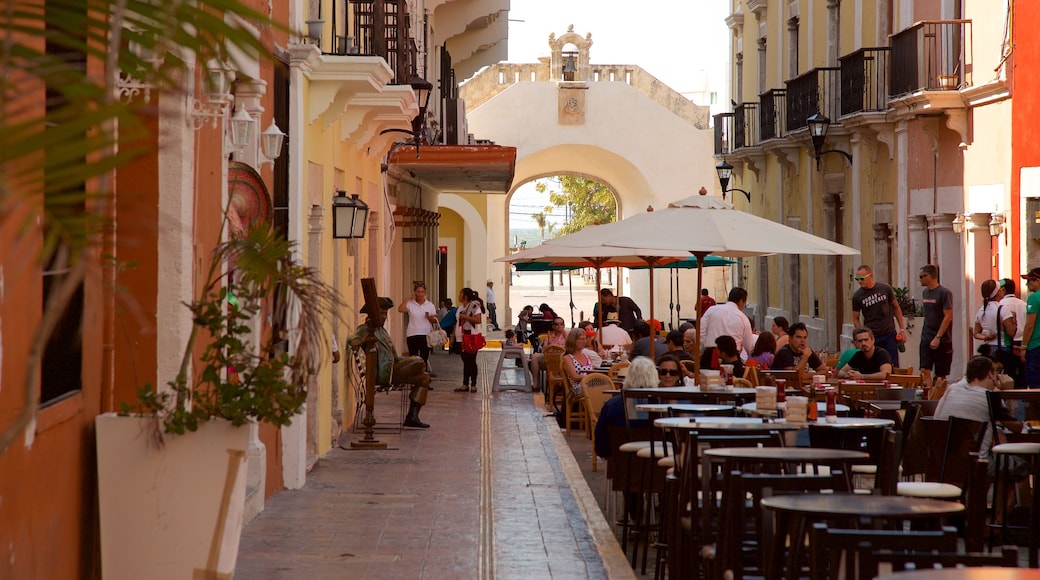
705, 225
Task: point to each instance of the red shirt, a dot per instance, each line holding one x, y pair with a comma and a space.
706, 303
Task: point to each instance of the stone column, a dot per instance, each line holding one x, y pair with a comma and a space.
882, 252
833, 31
917, 240
902, 275
949, 256
832, 264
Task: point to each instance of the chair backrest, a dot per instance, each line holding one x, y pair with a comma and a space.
903, 370
899, 560
831, 547
938, 389
618, 370
926, 408
887, 479
895, 394
907, 380
832, 360
751, 375
794, 378
593, 386
742, 383
963, 438
867, 439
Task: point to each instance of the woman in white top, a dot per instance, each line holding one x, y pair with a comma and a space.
986, 323
470, 317
422, 316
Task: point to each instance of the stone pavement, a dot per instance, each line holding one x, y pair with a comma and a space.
491, 490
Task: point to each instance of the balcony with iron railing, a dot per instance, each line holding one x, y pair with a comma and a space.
932, 55
817, 91
745, 125
772, 114
374, 28
864, 80
723, 133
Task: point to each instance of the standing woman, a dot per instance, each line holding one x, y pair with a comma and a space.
469, 316
780, 326
986, 323
421, 318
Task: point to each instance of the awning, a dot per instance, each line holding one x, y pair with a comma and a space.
457, 168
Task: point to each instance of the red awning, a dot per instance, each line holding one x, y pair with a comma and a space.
458, 168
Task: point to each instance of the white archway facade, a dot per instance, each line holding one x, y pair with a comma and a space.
615, 124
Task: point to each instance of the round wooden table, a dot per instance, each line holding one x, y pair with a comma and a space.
821, 406
684, 407
695, 394
986, 573
795, 512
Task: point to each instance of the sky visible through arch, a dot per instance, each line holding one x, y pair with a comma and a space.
684, 43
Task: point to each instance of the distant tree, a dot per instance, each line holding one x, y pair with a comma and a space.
587, 202
540, 221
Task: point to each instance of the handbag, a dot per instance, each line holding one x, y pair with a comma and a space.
472, 342
437, 338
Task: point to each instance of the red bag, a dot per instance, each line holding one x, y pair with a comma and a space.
472, 342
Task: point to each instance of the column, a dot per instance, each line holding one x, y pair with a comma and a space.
248, 95
917, 241
902, 275
833, 31
882, 252
949, 257
832, 265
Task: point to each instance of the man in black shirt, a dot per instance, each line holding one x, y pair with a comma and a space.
790, 356
627, 310
936, 342
870, 363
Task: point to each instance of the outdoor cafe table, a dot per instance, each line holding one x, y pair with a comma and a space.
821, 407
683, 407
794, 513
752, 422
986, 573
695, 394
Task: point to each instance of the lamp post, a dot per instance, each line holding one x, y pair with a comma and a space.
349, 216
818, 126
725, 171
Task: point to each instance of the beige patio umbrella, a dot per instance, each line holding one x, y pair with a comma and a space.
703, 225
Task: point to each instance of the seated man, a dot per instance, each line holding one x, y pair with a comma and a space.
796, 353
642, 347
729, 355
393, 369
676, 342
869, 363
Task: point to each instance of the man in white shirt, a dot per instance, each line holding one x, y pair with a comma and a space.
728, 319
489, 301
1013, 321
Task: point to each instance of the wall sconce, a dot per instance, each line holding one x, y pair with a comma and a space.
996, 224
241, 128
271, 141
818, 126
725, 171
958, 223
423, 89
216, 86
349, 216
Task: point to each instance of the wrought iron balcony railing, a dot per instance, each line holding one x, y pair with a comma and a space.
723, 133
773, 113
932, 55
815, 91
864, 80
745, 125
374, 28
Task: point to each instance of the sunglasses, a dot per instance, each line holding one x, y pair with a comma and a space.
669, 372
860, 278
419, 285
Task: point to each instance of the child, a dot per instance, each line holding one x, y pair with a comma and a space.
510, 338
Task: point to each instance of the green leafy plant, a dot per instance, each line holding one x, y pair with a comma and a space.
907, 304
239, 380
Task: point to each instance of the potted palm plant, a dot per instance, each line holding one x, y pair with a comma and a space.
912, 334
172, 467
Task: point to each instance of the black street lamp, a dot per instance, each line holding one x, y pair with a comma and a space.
725, 171
423, 89
818, 125
349, 216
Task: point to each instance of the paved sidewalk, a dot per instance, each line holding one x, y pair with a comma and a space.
491, 490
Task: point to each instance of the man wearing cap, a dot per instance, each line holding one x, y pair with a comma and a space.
627, 310
876, 301
1030, 334
489, 301
393, 369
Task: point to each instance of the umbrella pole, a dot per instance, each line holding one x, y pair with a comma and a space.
570, 286
653, 329
697, 342
678, 299
671, 299
599, 309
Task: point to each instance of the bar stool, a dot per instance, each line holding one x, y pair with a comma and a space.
1003, 485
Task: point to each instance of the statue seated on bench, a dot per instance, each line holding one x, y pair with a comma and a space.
393, 369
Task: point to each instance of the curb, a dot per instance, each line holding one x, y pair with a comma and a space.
614, 560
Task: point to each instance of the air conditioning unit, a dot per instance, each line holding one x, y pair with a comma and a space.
454, 121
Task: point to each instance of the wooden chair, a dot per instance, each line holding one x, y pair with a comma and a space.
938, 389
902, 370
848, 553
574, 408
618, 370
742, 383
905, 381
900, 394
866, 439
794, 378
593, 386
751, 375
832, 360
853, 393
555, 379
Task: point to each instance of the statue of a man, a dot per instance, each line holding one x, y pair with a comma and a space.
393, 369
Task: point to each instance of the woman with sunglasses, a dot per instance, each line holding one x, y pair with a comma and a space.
556, 337
422, 316
576, 364
668, 372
